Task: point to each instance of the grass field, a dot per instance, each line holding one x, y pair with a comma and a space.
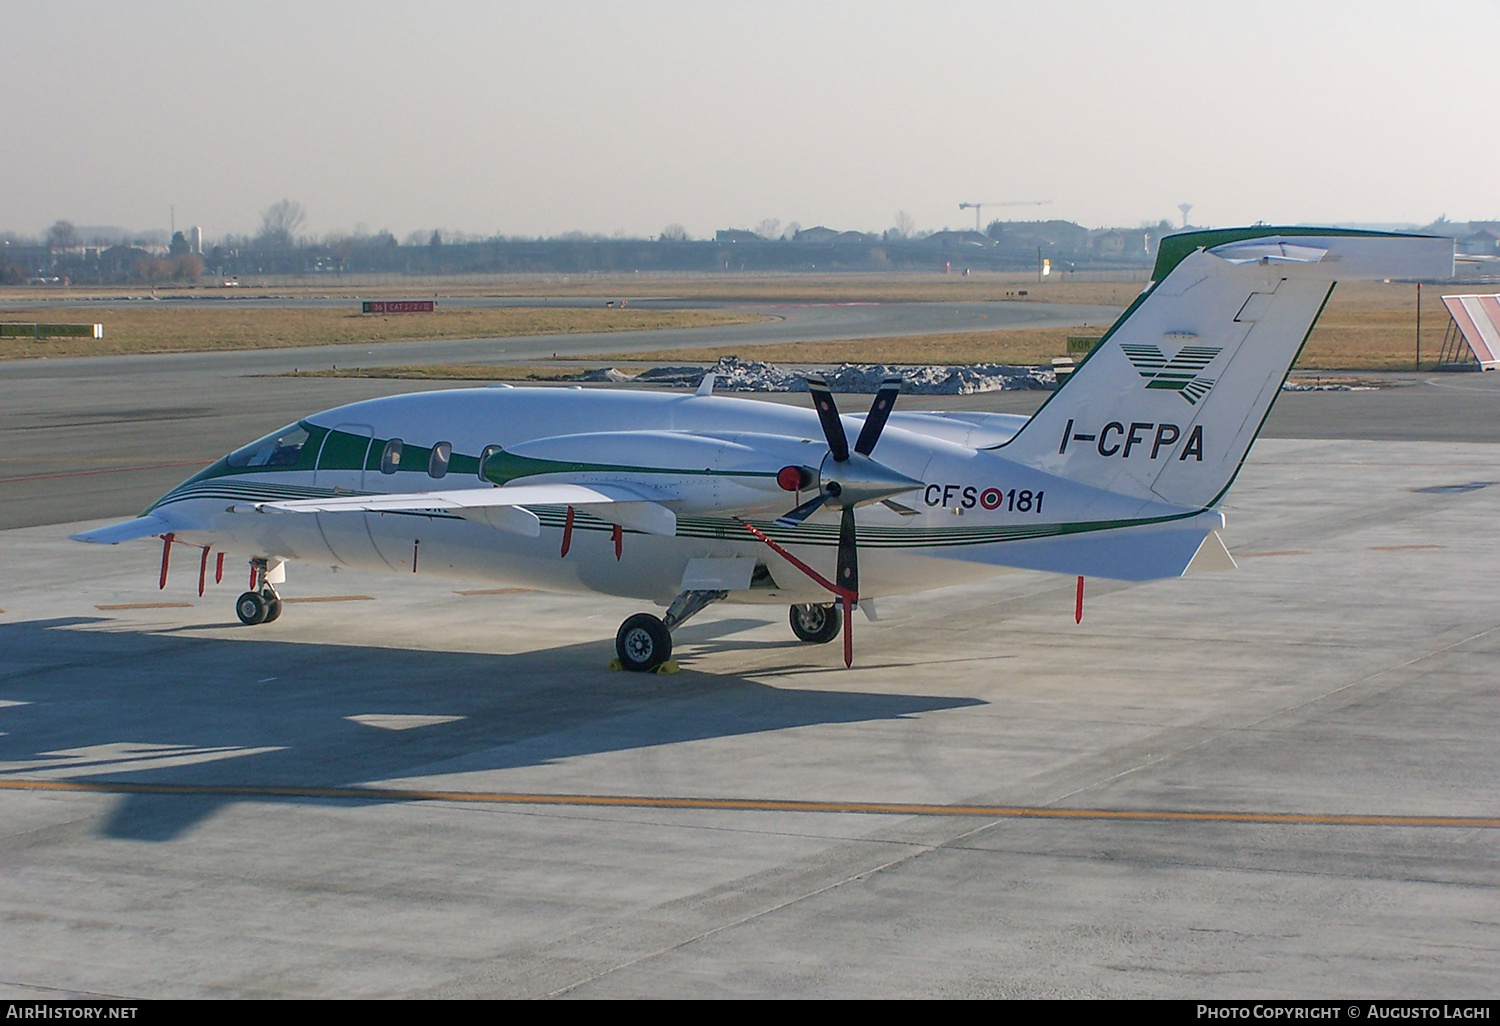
157, 329
1373, 326
1112, 289
1366, 326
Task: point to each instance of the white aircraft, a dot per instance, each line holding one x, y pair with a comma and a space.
685, 500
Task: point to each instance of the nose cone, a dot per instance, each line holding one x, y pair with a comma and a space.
860, 480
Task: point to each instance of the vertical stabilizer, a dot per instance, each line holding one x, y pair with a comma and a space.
1166, 407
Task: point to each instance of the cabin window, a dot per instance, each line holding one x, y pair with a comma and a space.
279, 449
484, 458
437, 463
390, 457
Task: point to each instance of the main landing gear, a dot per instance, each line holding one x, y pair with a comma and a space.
261, 604
816, 624
644, 642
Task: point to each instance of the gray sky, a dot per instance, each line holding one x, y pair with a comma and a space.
545, 117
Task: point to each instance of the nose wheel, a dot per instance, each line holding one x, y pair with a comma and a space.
255, 607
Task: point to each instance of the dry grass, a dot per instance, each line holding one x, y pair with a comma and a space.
1101, 288
1373, 326
157, 329
1367, 325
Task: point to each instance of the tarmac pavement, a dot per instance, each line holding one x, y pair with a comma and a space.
1279, 781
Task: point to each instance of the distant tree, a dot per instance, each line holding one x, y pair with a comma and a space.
769, 228
674, 232
906, 225
62, 235
792, 228
436, 239
280, 223
995, 229
179, 244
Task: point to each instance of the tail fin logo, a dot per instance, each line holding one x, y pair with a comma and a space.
1179, 374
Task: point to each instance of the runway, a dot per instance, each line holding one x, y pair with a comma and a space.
1279, 781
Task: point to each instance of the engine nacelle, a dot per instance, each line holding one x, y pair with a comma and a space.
689, 473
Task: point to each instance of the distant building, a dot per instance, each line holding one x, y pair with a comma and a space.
959, 240
1484, 242
1121, 243
733, 235
817, 233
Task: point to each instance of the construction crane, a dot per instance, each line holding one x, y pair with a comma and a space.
979, 207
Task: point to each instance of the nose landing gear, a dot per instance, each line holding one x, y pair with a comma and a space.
261, 604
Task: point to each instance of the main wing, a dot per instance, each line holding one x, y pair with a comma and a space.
628, 507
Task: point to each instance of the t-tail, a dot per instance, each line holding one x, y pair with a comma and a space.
1166, 406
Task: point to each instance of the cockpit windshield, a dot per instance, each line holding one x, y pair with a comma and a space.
279, 449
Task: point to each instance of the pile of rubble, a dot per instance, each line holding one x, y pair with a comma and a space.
732, 374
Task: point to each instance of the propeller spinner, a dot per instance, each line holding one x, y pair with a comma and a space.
846, 479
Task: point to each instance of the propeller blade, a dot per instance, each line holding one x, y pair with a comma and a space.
848, 579
880, 411
828, 414
848, 631
802, 512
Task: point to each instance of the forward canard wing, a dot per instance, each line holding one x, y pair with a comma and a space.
130, 530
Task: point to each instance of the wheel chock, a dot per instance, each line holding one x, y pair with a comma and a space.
670, 666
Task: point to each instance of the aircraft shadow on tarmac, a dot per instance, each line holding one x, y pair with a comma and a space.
105, 701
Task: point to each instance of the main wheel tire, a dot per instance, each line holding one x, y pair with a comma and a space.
815, 624
643, 643
250, 608
273, 609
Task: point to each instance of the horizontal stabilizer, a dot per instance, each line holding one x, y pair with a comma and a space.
140, 527
1131, 554
1347, 256
626, 507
